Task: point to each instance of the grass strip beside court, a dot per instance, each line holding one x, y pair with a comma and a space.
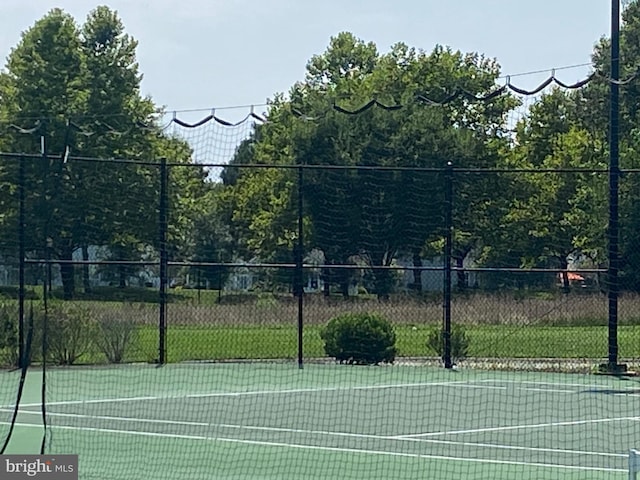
280, 341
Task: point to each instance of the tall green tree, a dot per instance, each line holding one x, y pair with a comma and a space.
81, 87
629, 132
372, 209
592, 114
44, 82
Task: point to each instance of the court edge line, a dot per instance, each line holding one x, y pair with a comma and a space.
519, 427
461, 383
420, 440
336, 434
113, 418
548, 390
334, 449
555, 384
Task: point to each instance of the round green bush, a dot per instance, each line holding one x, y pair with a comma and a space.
360, 338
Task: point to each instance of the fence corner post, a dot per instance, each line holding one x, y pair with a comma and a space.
164, 260
448, 248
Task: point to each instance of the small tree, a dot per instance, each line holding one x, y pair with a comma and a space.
70, 333
360, 338
114, 335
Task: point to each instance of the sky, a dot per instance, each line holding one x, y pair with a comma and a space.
205, 54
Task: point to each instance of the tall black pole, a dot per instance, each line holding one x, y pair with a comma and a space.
448, 248
614, 177
299, 277
21, 249
46, 207
164, 259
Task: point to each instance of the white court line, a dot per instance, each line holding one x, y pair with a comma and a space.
483, 387
112, 418
441, 442
556, 384
454, 384
498, 446
461, 383
77, 402
594, 388
547, 390
332, 449
519, 427
334, 434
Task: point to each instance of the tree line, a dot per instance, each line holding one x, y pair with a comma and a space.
79, 85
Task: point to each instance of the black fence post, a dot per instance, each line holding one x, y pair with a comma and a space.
614, 178
22, 360
164, 259
448, 247
298, 283
47, 287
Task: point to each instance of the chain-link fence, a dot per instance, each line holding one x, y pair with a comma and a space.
251, 290
506, 268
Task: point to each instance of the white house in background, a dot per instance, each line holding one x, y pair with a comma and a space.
8, 275
241, 279
433, 280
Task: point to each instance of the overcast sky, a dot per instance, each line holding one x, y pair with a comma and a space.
200, 54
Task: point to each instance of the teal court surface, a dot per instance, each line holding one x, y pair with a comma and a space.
275, 421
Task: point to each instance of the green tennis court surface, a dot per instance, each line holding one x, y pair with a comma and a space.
273, 421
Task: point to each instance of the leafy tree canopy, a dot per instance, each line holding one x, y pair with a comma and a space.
79, 85
373, 214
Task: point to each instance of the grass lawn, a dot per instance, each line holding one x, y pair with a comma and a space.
264, 326
498, 341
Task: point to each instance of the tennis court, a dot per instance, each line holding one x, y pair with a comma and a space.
197, 421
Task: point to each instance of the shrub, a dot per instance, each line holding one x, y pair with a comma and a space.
70, 333
360, 338
459, 342
114, 336
8, 333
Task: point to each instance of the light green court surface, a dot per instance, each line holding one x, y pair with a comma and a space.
274, 421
